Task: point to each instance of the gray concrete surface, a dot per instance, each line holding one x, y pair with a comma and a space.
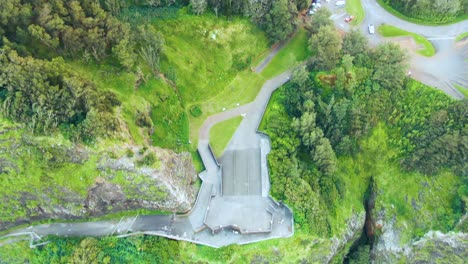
241, 172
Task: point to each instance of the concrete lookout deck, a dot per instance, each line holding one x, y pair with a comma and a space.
232, 206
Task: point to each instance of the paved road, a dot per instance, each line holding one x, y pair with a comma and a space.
377, 15
270, 56
447, 67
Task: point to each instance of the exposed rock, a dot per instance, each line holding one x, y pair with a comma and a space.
437, 247
387, 245
353, 230
102, 195
167, 184
122, 183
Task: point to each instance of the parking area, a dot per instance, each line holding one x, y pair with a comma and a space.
336, 7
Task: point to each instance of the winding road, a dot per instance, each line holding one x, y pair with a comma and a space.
448, 66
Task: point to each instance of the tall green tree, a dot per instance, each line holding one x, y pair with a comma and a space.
198, 6
390, 66
280, 22
326, 45
356, 45
151, 44
320, 19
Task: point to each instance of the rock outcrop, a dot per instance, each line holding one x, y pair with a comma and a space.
123, 178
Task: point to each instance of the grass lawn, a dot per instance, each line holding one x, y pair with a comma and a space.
246, 84
462, 90
294, 52
221, 134
391, 31
461, 36
400, 191
354, 7
418, 21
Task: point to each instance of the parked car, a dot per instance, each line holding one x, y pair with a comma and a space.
349, 18
340, 3
371, 29
316, 5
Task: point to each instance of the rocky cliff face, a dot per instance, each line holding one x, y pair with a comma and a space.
116, 179
433, 247
340, 245
334, 250
152, 178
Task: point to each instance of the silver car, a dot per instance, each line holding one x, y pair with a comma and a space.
371, 29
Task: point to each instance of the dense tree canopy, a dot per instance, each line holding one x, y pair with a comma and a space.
279, 22
431, 10
327, 47
45, 94
333, 103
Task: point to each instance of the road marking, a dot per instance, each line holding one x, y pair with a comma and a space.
117, 226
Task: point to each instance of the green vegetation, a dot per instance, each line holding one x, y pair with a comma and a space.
461, 36
354, 7
428, 49
148, 85
221, 134
246, 84
139, 249
401, 193
294, 52
430, 13
195, 111
336, 132
462, 90
348, 126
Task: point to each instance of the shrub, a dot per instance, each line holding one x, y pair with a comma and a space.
147, 160
143, 119
195, 111
130, 153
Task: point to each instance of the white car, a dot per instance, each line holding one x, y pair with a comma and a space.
371, 29
340, 3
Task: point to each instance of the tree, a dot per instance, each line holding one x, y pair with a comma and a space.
124, 53
45, 94
345, 75
356, 45
39, 33
87, 252
326, 45
198, 6
151, 44
320, 19
114, 6
389, 66
301, 4
324, 156
300, 76
279, 22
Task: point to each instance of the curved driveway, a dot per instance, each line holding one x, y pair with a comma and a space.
377, 15
446, 68
449, 66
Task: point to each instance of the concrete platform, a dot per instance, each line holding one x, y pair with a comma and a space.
241, 173
246, 214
